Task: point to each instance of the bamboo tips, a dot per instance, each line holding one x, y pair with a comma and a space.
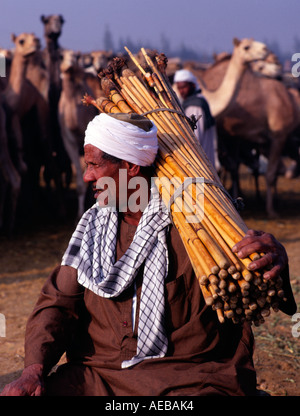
201, 209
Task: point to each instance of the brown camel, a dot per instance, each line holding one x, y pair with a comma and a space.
52, 30
262, 113
53, 25
10, 179
74, 116
38, 74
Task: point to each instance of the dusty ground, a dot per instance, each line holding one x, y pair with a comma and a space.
28, 257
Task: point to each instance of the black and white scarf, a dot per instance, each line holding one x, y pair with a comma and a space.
92, 251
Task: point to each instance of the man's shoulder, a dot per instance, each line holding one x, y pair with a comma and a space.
195, 100
94, 211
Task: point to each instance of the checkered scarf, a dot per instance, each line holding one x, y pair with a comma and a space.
92, 251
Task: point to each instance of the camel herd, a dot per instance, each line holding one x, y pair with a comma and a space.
42, 118
254, 111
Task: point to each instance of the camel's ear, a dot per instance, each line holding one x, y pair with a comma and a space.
44, 19
13, 37
236, 41
62, 20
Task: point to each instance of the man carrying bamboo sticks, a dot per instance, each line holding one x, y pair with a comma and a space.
194, 103
125, 304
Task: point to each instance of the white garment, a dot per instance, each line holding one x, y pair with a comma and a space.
122, 139
92, 252
207, 138
184, 75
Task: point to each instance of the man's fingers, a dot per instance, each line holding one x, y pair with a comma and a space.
263, 262
248, 246
273, 273
254, 233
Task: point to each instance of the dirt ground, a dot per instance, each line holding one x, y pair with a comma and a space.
27, 258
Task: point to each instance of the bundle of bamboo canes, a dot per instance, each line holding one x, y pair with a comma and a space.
227, 285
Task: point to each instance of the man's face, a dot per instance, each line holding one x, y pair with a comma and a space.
103, 176
185, 89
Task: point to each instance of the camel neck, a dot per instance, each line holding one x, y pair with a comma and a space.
220, 99
70, 82
51, 44
16, 79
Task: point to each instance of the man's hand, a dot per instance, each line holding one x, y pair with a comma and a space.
30, 383
275, 258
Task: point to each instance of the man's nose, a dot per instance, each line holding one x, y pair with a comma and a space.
88, 176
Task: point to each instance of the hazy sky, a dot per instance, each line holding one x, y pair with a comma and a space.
208, 25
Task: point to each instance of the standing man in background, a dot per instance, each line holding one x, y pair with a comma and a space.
194, 103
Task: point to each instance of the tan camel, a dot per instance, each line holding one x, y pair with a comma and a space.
74, 116
245, 51
262, 113
20, 95
98, 60
28, 119
268, 67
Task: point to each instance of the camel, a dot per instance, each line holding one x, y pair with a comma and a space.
10, 179
262, 112
245, 51
52, 30
20, 95
53, 25
74, 117
38, 74
270, 66
28, 121
98, 60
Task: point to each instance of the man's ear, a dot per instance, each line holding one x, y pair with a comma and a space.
132, 169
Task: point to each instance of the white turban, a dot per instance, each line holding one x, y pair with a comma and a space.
122, 139
183, 75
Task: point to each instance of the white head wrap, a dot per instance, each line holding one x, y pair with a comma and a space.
122, 139
183, 75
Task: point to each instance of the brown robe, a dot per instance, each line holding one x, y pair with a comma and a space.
204, 357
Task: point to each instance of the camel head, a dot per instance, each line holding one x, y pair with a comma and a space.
248, 50
26, 43
267, 69
69, 60
100, 59
53, 25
